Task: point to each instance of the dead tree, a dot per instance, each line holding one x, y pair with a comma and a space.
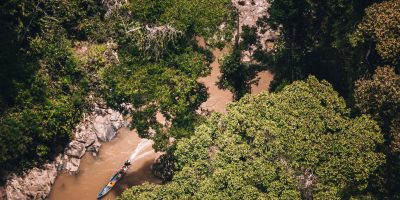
152, 40
307, 180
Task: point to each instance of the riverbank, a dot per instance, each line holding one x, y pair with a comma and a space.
95, 172
100, 125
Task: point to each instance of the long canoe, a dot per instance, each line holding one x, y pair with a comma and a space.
117, 176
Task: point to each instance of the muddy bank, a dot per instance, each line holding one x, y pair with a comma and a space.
264, 79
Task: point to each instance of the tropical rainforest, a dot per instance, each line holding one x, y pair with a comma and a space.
329, 128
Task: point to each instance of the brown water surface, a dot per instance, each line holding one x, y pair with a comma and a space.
265, 79
218, 98
94, 172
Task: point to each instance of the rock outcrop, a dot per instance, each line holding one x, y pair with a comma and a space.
3, 194
34, 184
99, 125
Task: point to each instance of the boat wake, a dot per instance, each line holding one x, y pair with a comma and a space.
144, 143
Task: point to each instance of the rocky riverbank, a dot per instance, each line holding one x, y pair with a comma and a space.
101, 125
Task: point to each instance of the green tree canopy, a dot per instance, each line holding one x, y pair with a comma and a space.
238, 76
152, 89
380, 97
43, 87
381, 25
300, 142
160, 64
201, 17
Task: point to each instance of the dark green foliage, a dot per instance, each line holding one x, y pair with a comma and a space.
268, 146
149, 11
380, 98
164, 168
152, 89
158, 74
381, 26
315, 40
265, 147
238, 76
42, 86
249, 37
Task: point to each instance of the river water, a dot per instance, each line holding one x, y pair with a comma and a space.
94, 172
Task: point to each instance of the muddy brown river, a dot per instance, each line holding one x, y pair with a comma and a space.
94, 172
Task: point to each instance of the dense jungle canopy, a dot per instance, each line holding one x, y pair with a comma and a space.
328, 129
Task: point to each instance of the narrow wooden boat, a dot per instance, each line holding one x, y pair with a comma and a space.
117, 176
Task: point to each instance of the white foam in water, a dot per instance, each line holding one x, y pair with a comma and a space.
142, 155
143, 144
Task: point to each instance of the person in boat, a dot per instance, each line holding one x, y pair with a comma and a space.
127, 163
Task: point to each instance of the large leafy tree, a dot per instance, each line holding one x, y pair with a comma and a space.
160, 64
237, 76
380, 97
157, 89
381, 26
297, 143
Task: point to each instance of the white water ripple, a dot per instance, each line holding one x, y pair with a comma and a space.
144, 143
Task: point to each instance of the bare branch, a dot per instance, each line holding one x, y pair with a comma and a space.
152, 39
112, 6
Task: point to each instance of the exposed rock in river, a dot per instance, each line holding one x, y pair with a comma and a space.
101, 124
75, 149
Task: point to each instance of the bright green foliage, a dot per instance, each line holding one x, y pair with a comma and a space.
381, 25
201, 17
160, 64
380, 98
154, 88
265, 144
